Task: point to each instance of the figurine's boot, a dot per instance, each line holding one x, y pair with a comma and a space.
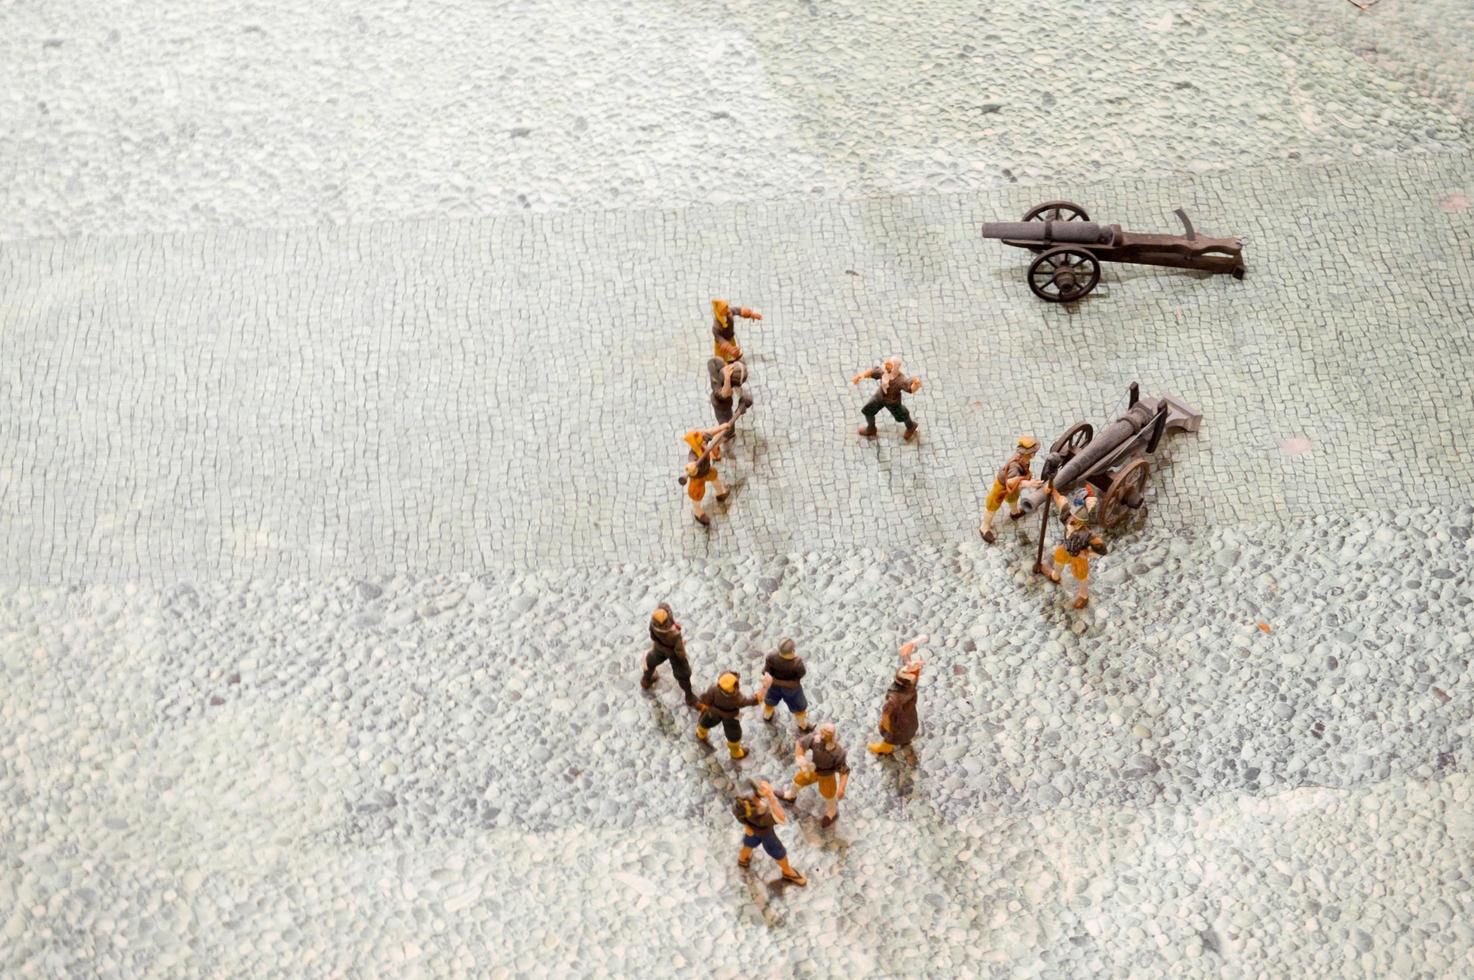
790, 794
768, 712
647, 679
1081, 598
802, 718
701, 517
790, 875
911, 431
831, 813
736, 750
723, 491
882, 748
744, 857
700, 734
869, 431
1015, 515
986, 528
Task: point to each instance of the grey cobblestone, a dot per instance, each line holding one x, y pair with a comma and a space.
459, 774
461, 396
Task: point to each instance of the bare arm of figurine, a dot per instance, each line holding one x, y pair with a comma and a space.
747, 313
773, 805
844, 780
915, 385
909, 647
868, 373
726, 389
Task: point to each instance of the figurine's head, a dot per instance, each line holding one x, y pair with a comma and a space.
910, 672
787, 649
738, 373
714, 371
827, 733
1027, 445
662, 614
720, 310
727, 682
891, 364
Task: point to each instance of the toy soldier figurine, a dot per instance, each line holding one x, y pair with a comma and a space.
888, 396
1079, 544
704, 447
723, 329
667, 644
726, 386
898, 722
1006, 485
722, 702
759, 812
821, 760
783, 671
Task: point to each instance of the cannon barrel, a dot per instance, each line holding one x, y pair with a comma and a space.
1106, 442
1064, 232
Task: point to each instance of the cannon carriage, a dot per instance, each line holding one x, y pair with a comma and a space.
1113, 461
1069, 249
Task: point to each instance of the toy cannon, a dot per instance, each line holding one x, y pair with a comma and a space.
1112, 461
1071, 247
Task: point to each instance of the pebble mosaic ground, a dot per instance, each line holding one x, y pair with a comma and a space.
342, 364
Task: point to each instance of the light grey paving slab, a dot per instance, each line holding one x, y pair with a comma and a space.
184, 114
460, 396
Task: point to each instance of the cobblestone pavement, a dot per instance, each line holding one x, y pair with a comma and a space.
181, 114
311, 777
344, 355
449, 397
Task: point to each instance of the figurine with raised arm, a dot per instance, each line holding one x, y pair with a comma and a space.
1079, 544
784, 671
723, 702
759, 813
893, 384
1007, 483
898, 721
704, 447
821, 760
724, 328
667, 645
726, 388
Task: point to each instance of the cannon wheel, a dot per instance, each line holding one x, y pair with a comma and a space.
1124, 496
1063, 274
1077, 437
1057, 211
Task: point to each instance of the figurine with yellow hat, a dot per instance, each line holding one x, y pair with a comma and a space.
723, 702
704, 448
724, 328
759, 813
1007, 483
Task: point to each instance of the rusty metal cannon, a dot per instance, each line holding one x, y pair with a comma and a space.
1113, 461
1071, 247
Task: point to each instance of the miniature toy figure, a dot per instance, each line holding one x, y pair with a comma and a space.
888, 396
723, 329
726, 386
667, 644
759, 812
1006, 485
1079, 544
1070, 248
821, 760
704, 447
898, 721
784, 672
723, 702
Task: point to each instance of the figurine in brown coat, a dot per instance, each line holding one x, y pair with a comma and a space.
723, 702
898, 721
667, 645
